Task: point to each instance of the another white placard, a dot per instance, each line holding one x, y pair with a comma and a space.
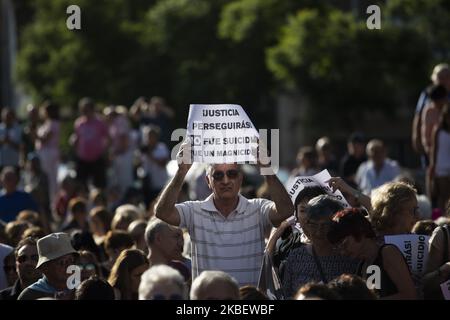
414, 248
297, 184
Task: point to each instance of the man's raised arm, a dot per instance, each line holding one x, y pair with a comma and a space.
284, 207
165, 205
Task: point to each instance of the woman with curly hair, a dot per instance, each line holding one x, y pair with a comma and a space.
394, 209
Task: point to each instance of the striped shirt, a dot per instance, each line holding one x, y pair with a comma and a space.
233, 244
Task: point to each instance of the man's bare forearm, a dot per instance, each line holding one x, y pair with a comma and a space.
279, 195
168, 198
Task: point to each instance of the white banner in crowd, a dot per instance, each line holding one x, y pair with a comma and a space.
297, 184
445, 287
414, 248
221, 133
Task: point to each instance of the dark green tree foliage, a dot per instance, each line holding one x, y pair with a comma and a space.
344, 68
240, 51
102, 60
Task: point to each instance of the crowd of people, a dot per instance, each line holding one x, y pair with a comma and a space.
120, 221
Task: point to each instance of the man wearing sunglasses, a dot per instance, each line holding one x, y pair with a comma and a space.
227, 230
26, 259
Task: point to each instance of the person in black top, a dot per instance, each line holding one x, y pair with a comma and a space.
353, 235
356, 154
26, 259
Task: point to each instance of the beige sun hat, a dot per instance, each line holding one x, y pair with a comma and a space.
53, 246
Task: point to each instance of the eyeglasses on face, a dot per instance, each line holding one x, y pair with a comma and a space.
23, 258
219, 175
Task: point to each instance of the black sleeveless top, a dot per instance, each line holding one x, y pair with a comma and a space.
388, 287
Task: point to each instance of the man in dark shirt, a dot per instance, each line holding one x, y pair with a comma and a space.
356, 154
26, 259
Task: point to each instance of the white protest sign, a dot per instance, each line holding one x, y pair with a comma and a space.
297, 184
221, 133
445, 288
414, 248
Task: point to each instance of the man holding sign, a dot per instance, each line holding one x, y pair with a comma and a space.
227, 230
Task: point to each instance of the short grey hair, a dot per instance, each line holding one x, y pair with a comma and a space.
206, 278
137, 228
154, 227
160, 274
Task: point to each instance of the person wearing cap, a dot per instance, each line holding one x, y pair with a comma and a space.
317, 260
356, 154
56, 254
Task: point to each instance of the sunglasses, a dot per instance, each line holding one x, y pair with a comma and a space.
219, 175
24, 258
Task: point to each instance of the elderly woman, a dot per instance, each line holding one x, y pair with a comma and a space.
355, 237
162, 282
316, 261
394, 208
286, 237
